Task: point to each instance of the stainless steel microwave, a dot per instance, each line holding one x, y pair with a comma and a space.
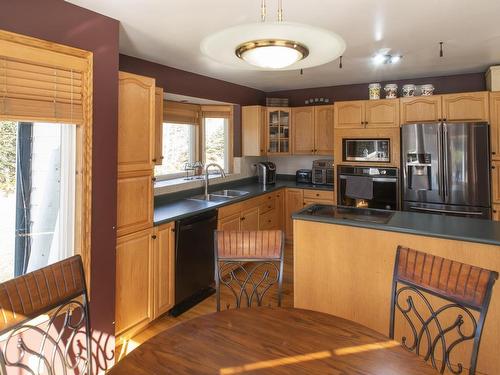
366, 150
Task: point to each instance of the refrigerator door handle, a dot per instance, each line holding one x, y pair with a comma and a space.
477, 213
440, 174
445, 162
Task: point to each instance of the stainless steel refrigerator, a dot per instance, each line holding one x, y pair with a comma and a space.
446, 168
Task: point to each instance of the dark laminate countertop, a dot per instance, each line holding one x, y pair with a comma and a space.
176, 206
455, 228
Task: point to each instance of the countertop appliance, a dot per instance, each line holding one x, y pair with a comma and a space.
366, 150
194, 260
368, 187
322, 172
446, 169
349, 213
303, 176
267, 173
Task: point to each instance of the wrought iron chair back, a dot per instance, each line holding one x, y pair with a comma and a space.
463, 288
44, 321
249, 264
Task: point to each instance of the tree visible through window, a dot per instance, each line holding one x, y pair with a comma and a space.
216, 141
179, 148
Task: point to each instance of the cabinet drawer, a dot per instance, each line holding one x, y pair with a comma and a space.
269, 220
307, 202
269, 205
318, 194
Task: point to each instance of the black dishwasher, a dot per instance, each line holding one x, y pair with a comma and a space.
194, 260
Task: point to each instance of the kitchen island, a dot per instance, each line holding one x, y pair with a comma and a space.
344, 261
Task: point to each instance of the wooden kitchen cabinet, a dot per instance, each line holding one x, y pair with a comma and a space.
495, 181
231, 222
250, 219
420, 109
303, 131
495, 125
326, 195
134, 278
278, 132
467, 106
323, 130
158, 133
134, 201
136, 122
253, 124
312, 130
294, 201
496, 212
164, 269
361, 114
349, 114
383, 113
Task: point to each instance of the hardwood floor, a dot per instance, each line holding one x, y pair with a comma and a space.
209, 306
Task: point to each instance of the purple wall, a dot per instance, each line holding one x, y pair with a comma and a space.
443, 85
64, 23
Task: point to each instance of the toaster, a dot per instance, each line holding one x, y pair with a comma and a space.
303, 176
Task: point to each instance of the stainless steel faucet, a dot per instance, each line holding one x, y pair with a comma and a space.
223, 174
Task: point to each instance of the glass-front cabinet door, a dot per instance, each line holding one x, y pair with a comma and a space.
278, 131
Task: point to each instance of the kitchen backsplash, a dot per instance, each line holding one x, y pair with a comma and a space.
290, 164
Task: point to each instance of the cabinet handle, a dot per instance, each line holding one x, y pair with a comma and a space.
493, 153
439, 120
242, 219
493, 167
154, 160
270, 219
153, 236
173, 230
312, 150
153, 179
268, 206
163, 157
317, 194
445, 119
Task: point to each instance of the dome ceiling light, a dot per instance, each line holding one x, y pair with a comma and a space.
273, 45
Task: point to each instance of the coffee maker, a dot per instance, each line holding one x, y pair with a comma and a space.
267, 173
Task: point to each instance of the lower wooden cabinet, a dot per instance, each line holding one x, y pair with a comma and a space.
294, 202
250, 219
164, 269
496, 212
495, 181
144, 278
134, 282
231, 222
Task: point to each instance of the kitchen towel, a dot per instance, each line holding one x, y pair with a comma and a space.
359, 187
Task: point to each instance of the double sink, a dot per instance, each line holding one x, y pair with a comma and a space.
220, 196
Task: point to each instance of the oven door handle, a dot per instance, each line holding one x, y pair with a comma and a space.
376, 179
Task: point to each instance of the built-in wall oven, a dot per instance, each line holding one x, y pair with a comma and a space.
368, 187
366, 150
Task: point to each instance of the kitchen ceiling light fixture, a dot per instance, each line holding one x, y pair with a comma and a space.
385, 58
273, 45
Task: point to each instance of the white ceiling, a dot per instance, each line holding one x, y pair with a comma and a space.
169, 32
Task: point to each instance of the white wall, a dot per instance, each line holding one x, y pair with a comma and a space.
290, 164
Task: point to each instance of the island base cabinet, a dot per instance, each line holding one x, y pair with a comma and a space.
347, 271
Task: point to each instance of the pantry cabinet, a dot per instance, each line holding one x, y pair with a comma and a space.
136, 122
278, 130
253, 124
134, 282
495, 125
361, 114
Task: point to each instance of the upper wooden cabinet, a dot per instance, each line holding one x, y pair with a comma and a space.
468, 106
253, 125
312, 130
350, 114
420, 109
164, 269
158, 134
382, 113
495, 125
358, 114
134, 277
303, 130
136, 122
323, 129
278, 130
134, 201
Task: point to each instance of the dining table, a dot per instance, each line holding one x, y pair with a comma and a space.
267, 340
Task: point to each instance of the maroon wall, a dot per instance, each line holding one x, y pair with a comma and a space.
443, 85
64, 23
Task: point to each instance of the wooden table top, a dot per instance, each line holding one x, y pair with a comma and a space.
271, 341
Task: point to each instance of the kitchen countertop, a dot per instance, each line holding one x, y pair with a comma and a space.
168, 209
449, 227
